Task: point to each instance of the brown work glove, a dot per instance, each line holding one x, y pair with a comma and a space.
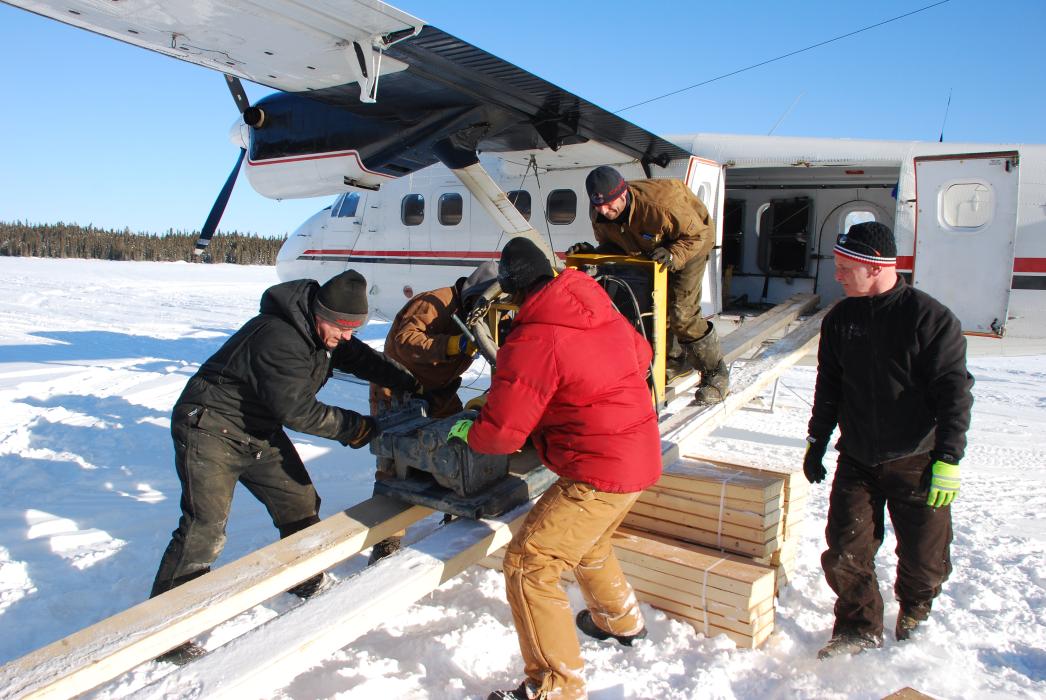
368, 430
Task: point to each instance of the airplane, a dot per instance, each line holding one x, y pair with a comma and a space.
438, 152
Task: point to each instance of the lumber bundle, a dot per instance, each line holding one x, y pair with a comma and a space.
712, 543
716, 506
715, 592
793, 511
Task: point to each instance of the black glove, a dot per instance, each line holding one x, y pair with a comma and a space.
582, 247
368, 430
812, 462
662, 257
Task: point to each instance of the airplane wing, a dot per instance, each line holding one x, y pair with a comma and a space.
374, 61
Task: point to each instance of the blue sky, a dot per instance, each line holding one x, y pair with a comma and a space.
96, 131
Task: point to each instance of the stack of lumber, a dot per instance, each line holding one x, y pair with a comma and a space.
711, 544
714, 505
793, 511
716, 592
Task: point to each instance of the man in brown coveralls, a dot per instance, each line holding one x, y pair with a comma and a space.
666, 222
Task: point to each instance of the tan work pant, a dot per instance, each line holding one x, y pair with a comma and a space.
569, 528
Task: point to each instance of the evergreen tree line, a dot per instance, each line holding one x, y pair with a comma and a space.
63, 240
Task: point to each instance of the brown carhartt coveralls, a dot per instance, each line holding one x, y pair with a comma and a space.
666, 214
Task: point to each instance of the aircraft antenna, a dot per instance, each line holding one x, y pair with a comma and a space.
944, 121
786, 113
782, 56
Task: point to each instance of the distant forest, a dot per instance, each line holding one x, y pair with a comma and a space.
72, 241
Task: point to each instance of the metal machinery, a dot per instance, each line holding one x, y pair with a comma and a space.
448, 476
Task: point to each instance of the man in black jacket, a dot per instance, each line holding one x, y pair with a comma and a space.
891, 372
228, 424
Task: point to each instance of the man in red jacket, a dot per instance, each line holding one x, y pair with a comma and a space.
571, 375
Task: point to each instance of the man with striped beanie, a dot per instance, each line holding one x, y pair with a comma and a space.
891, 373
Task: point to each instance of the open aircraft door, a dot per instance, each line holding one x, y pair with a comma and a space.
965, 228
706, 179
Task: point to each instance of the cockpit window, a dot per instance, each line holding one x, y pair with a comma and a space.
346, 204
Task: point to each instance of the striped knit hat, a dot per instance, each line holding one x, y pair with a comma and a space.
871, 243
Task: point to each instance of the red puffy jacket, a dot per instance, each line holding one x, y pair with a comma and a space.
572, 373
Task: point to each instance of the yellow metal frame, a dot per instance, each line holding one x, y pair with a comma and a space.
659, 307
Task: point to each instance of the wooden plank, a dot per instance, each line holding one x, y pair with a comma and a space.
697, 613
658, 497
690, 593
746, 382
117, 644
908, 694
687, 581
772, 506
727, 572
702, 537
743, 641
252, 665
750, 334
720, 526
699, 477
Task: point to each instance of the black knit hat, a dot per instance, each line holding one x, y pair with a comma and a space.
869, 242
604, 184
342, 300
522, 264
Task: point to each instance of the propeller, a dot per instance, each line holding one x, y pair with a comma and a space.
253, 117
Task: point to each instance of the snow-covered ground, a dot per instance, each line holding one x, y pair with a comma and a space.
93, 354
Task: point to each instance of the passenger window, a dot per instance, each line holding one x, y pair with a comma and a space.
967, 205
348, 204
562, 207
521, 201
412, 210
449, 209
857, 217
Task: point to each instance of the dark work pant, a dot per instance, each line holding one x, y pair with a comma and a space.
209, 466
684, 301
855, 532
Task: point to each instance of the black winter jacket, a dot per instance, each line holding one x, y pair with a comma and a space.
891, 371
268, 373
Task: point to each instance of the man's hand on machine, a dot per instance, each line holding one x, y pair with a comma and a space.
367, 431
460, 430
663, 257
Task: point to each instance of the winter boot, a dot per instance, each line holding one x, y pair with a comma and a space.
908, 619
310, 587
676, 367
182, 654
848, 643
389, 545
586, 624
524, 692
705, 356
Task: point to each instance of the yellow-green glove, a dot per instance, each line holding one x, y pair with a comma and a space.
944, 484
460, 430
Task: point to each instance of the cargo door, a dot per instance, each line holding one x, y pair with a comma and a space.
965, 228
705, 178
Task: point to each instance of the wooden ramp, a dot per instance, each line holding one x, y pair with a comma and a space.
251, 665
